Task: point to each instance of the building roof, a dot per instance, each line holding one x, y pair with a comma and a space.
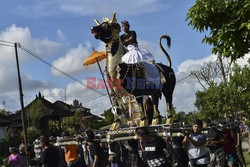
48, 109
4, 121
77, 107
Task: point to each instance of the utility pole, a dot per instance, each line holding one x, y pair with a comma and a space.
21, 101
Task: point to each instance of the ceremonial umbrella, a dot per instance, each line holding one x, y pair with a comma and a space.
95, 57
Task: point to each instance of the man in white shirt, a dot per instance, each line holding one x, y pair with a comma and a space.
195, 143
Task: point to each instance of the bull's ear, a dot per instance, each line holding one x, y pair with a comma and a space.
97, 22
114, 18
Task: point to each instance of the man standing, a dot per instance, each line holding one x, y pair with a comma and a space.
153, 148
195, 143
95, 149
50, 156
215, 143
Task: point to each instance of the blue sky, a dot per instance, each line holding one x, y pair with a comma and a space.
59, 32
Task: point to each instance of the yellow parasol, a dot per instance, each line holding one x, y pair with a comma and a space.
94, 57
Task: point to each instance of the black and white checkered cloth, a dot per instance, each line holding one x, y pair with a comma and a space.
156, 162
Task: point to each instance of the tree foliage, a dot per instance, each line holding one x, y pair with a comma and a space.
228, 23
226, 98
108, 116
4, 112
33, 134
35, 112
82, 121
211, 73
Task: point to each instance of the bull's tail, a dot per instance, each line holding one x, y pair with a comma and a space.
163, 50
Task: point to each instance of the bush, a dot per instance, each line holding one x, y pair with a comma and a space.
33, 134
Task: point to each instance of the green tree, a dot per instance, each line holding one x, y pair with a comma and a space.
35, 113
180, 117
4, 112
228, 23
226, 98
108, 116
33, 134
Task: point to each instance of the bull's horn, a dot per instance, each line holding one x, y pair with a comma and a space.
114, 18
105, 19
97, 22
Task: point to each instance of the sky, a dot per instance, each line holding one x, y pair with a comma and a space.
58, 31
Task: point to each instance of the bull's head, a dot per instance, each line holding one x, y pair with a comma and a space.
108, 30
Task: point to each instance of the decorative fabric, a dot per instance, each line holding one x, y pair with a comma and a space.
71, 154
136, 55
156, 162
154, 152
152, 74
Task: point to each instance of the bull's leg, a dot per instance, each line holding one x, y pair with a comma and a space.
118, 112
156, 115
170, 113
148, 107
117, 119
144, 121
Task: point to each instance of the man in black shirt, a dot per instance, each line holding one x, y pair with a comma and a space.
215, 143
129, 37
50, 156
153, 148
95, 149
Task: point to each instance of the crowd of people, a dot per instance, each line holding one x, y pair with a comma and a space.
221, 147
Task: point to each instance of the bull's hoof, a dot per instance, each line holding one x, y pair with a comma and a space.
169, 120
155, 121
143, 123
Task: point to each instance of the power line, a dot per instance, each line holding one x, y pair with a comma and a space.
50, 65
183, 79
6, 45
7, 41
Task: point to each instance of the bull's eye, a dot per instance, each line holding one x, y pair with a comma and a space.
105, 26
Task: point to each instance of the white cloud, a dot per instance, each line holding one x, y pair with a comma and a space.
72, 61
243, 61
22, 35
8, 72
96, 100
9, 82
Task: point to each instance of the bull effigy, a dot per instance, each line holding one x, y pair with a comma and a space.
135, 82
